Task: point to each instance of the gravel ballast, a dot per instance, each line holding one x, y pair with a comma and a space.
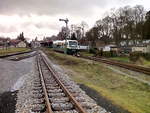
25, 94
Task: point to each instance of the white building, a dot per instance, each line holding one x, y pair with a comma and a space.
35, 44
143, 49
21, 44
106, 47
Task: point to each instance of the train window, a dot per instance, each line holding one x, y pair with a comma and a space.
73, 43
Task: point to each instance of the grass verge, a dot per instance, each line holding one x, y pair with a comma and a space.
123, 91
123, 59
12, 50
85, 53
141, 61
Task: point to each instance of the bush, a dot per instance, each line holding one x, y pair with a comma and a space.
103, 53
134, 56
114, 54
146, 56
93, 50
107, 53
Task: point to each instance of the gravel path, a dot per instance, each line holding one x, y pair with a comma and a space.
11, 71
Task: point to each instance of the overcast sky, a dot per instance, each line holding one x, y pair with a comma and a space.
41, 17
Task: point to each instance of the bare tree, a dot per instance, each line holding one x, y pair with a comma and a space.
126, 25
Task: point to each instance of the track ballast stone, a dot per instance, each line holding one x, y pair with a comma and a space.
26, 101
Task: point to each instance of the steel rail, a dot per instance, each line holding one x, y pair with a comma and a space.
128, 66
120, 64
48, 105
132, 67
77, 105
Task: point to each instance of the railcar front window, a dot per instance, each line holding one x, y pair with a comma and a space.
73, 44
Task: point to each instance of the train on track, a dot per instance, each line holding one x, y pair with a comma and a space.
66, 46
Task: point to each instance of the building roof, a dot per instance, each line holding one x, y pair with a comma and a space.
15, 41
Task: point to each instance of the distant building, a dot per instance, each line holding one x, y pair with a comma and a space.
99, 44
17, 43
116, 49
21, 44
4, 42
143, 49
46, 43
35, 43
108, 47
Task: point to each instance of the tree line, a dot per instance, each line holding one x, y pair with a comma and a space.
124, 26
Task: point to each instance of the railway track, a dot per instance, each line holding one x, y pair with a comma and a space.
53, 95
120, 64
128, 66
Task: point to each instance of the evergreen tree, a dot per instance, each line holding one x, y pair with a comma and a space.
21, 37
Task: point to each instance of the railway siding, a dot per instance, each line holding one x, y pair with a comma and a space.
118, 88
132, 67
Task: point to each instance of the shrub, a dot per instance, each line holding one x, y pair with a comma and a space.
146, 56
114, 54
134, 56
107, 53
93, 50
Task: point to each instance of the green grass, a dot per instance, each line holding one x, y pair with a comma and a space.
147, 63
12, 50
84, 53
123, 59
143, 62
121, 90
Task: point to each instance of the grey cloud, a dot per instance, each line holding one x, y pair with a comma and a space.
46, 25
6, 29
40, 25
49, 7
